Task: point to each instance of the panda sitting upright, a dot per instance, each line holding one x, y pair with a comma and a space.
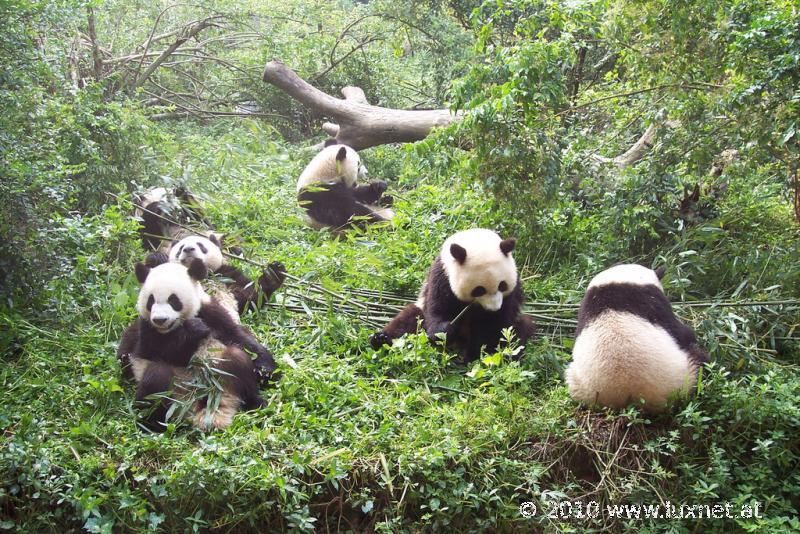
328, 191
178, 320
236, 286
630, 346
472, 292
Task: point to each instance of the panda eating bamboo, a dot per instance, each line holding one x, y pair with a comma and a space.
328, 191
178, 321
472, 292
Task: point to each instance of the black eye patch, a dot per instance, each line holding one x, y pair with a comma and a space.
502, 287
180, 249
175, 302
150, 302
479, 291
202, 247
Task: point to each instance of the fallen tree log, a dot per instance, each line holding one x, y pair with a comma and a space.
358, 123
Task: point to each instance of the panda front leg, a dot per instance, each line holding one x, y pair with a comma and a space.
231, 333
370, 193
157, 378
524, 328
404, 322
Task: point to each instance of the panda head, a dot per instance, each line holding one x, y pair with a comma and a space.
629, 273
197, 247
170, 293
347, 162
480, 267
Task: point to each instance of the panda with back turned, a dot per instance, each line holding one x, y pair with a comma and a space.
178, 320
329, 193
472, 292
629, 344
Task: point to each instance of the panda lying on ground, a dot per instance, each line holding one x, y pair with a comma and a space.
474, 274
629, 344
178, 320
328, 191
234, 284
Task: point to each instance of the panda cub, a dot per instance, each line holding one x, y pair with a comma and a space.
236, 290
178, 320
472, 292
629, 344
329, 193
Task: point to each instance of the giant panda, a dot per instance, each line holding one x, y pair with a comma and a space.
474, 278
629, 344
329, 193
160, 209
178, 320
235, 289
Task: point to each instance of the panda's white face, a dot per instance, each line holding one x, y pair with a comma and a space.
169, 296
480, 267
189, 248
627, 273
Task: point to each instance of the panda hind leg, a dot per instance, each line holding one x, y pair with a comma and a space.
157, 378
242, 382
404, 322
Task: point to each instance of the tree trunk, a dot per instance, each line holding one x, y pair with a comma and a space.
358, 124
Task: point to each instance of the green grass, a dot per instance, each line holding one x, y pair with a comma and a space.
401, 439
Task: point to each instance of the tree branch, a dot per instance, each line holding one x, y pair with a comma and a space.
360, 124
637, 151
185, 35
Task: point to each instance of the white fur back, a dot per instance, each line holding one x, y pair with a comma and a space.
324, 169
486, 266
629, 273
620, 358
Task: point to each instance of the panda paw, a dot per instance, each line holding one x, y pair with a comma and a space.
379, 339
379, 187
272, 278
435, 333
386, 201
267, 376
197, 328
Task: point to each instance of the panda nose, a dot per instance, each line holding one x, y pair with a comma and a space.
188, 249
159, 321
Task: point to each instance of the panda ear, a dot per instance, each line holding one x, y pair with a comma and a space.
331, 142
154, 259
507, 245
660, 272
459, 253
142, 271
197, 269
214, 239
341, 155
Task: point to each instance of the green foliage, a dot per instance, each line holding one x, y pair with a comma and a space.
406, 438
